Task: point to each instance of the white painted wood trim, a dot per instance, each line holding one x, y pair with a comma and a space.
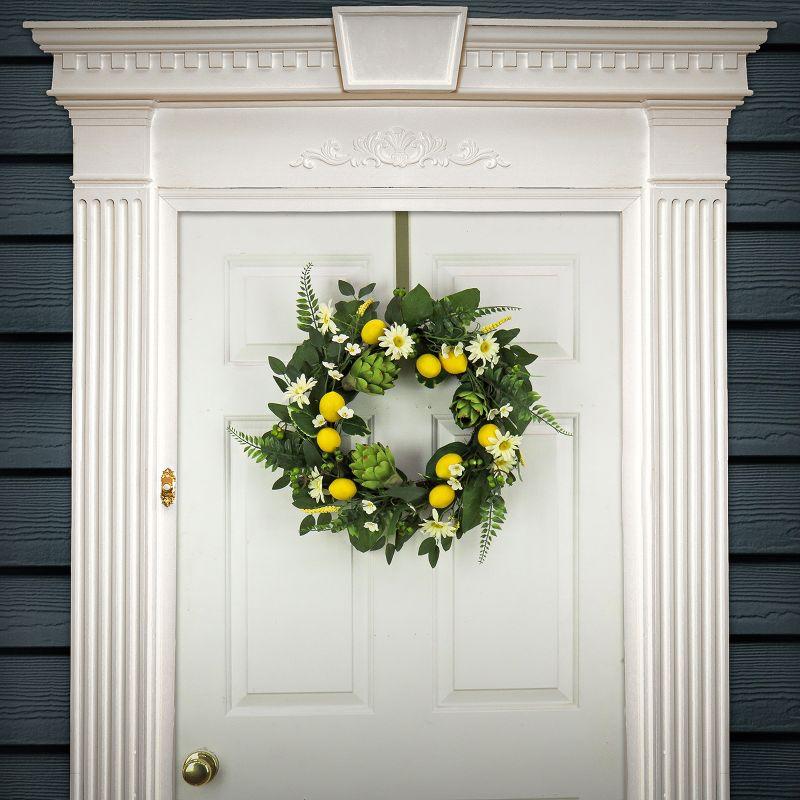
686, 77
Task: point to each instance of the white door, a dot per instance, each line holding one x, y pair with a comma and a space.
317, 673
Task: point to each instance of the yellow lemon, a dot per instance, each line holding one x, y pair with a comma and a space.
486, 432
328, 439
330, 404
372, 331
441, 496
445, 462
428, 365
454, 364
342, 489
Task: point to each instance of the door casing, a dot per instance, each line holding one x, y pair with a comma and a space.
560, 116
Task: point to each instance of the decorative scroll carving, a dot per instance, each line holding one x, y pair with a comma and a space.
398, 147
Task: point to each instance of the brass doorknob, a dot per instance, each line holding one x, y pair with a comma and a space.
200, 768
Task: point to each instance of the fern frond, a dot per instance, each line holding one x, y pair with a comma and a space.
307, 303
482, 311
493, 515
543, 414
267, 450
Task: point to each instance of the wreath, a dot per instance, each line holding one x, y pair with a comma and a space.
350, 349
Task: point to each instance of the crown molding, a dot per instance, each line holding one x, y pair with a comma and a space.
527, 60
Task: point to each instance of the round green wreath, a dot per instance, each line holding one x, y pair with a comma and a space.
350, 350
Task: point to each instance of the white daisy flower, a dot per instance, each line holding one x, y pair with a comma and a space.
315, 486
371, 526
335, 374
504, 446
438, 528
503, 466
325, 321
352, 348
455, 470
480, 370
455, 484
484, 348
448, 351
397, 342
297, 392
319, 421
340, 337
503, 411
368, 506
345, 412
329, 365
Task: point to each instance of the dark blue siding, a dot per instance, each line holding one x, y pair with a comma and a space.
764, 352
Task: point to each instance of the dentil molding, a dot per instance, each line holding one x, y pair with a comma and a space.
251, 60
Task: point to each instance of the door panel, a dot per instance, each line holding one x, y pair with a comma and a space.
317, 672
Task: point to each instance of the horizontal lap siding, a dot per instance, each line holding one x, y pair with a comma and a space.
764, 388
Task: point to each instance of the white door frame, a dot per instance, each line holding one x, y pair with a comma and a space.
625, 117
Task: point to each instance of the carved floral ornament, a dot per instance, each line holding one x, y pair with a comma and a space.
399, 147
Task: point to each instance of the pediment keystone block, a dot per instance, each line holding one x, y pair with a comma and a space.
399, 48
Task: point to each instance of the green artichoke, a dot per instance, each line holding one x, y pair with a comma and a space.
467, 408
372, 373
373, 466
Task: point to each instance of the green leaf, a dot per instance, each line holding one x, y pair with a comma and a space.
447, 543
465, 300
346, 289
411, 494
426, 545
324, 519
518, 355
504, 335
390, 551
312, 454
368, 289
303, 421
276, 365
452, 447
394, 312
417, 306
433, 558
306, 524
284, 480
355, 426
282, 385
280, 411
475, 492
